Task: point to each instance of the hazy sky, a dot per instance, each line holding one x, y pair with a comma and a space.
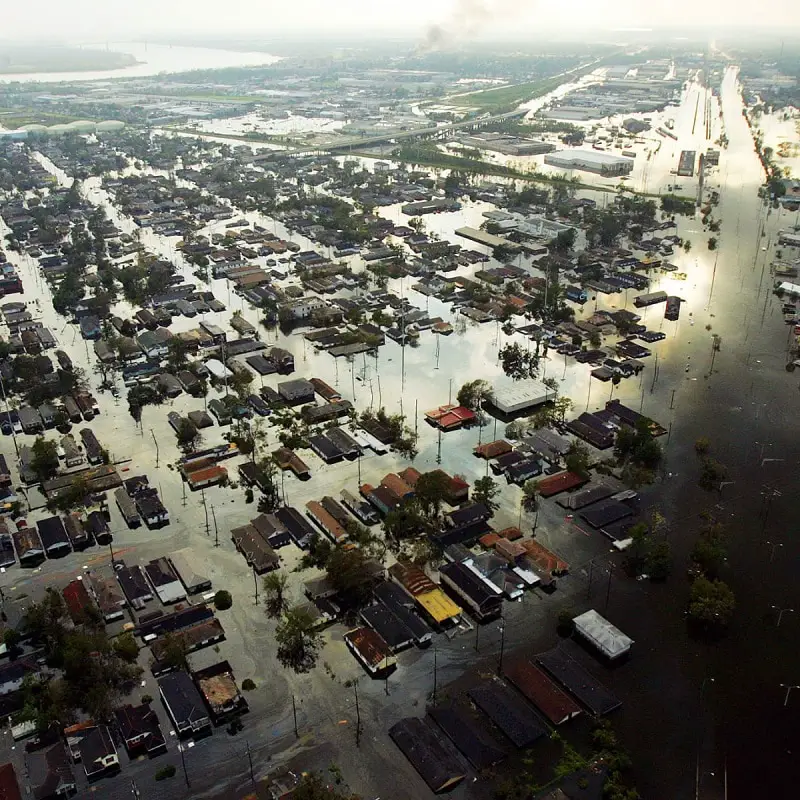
101, 19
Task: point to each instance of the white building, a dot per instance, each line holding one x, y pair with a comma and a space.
521, 395
609, 640
590, 161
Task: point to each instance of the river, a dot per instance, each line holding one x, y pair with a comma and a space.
152, 59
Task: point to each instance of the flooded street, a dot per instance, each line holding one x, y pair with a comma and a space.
714, 712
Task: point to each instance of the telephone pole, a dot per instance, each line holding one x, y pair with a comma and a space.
250, 759
358, 717
216, 529
183, 764
255, 582
294, 714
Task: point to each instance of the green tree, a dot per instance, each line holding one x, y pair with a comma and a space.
484, 491
711, 603
577, 459
351, 573
519, 363
658, 559
222, 600
45, 458
712, 474
298, 641
314, 787
188, 436
473, 393
174, 651
126, 648
431, 491
275, 594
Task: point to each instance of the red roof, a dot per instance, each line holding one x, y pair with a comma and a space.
563, 482
77, 599
546, 560
9, 787
493, 449
488, 540
512, 534
555, 704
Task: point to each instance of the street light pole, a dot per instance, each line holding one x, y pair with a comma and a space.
773, 546
781, 612
788, 688
502, 645
434, 674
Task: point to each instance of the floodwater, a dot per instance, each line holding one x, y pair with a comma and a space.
689, 735
152, 59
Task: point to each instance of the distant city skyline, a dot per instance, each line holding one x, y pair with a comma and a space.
444, 21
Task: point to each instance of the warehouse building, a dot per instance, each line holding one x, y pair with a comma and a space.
590, 161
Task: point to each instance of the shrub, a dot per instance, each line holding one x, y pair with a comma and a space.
248, 685
146, 699
223, 600
167, 771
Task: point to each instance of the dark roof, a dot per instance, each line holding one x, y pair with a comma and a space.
324, 447
469, 514
470, 584
48, 770
300, 530
160, 572
401, 604
509, 712
578, 681
52, 533
178, 620
133, 583
477, 745
182, 698
134, 721
388, 626
428, 753
95, 746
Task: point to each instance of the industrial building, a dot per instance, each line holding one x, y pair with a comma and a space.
590, 161
508, 145
521, 396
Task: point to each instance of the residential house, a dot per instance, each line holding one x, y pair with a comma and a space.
296, 392
135, 586
107, 594
49, 772
140, 730
165, 582
218, 687
53, 537
98, 754
184, 704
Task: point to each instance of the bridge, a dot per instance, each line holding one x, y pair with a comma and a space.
357, 143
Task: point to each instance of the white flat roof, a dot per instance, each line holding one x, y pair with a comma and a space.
521, 394
589, 157
610, 640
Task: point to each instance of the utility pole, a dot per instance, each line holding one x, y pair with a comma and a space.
608, 587
434, 674
135, 790
216, 529
156, 444
183, 486
502, 644
358, 717
294, 714
255, 581
250, 759
439, 448
359, 467
477, 632
183, 763
205, 509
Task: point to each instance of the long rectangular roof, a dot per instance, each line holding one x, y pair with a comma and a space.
540, 689
607, 638
509, 712
578, 681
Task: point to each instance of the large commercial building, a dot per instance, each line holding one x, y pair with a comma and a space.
590, 161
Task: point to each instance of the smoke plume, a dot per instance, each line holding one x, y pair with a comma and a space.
467, 19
